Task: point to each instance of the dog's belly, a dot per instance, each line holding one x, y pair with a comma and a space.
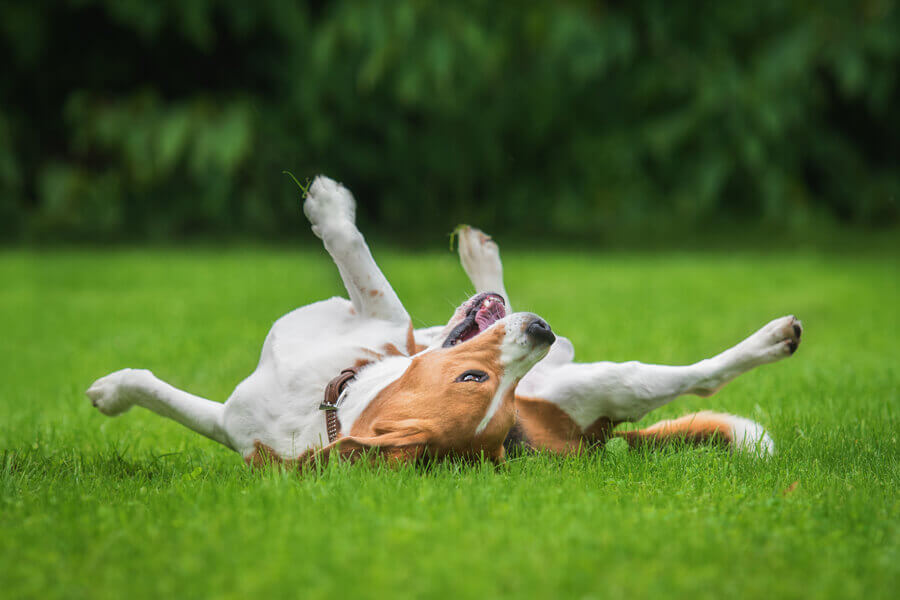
278, 404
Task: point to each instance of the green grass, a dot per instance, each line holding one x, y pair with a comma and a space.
138, 507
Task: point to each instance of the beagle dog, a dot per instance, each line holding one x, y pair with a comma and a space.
453, 396
353, 378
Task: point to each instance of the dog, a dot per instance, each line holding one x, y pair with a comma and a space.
352, 378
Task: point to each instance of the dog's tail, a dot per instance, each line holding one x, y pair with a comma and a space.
703, 427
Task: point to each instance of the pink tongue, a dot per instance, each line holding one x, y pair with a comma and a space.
487, 316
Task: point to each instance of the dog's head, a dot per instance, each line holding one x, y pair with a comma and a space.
456, 397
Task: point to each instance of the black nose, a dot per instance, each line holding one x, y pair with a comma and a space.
540, 331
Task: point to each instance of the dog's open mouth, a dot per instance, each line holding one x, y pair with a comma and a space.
484, 310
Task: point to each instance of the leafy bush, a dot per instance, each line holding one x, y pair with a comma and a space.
125, 118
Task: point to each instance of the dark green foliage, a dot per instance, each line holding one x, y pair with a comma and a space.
124, 118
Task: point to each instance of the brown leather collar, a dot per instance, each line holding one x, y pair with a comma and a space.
330, 402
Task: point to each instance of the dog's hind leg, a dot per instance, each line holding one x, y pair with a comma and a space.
480, 258
118, 392
569, 403
331, 210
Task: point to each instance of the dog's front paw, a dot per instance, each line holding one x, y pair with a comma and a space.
776, 340
480, 258
477, 251
115, 393
328, 204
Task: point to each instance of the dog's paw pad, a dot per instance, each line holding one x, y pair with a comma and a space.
788, 331
778, 339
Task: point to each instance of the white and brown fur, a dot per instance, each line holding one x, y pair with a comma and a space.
564, 406
410, 398
404, 403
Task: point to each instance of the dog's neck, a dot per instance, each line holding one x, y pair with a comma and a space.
369, 382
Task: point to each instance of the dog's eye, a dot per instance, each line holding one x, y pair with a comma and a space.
476, 376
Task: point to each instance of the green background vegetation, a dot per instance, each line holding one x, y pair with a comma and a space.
140, 507
129, 120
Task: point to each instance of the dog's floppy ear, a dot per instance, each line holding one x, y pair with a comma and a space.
401, 440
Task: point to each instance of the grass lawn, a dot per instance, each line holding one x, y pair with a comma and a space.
139, 507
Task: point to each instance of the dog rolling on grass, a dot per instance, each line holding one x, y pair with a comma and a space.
352, 378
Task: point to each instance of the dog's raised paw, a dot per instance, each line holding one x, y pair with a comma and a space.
778, 339
477, 249
114, 394
786, 331
327, 204
480, 258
